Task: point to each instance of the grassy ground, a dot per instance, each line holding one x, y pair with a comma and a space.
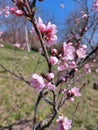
17, 98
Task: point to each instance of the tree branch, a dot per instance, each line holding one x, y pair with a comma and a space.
12, 73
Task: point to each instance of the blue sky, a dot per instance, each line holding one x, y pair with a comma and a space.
60, 14
54, 7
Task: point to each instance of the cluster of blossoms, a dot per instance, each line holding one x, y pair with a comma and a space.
66, 59
16, 11
39, 83
48, 32
64, 123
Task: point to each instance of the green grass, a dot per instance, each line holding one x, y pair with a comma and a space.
17, 99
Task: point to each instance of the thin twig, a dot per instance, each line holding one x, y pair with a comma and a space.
33, 4
36, 108
36, 64
12, 73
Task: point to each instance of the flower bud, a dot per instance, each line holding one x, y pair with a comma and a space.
50, 76
19, 12
53, 60
13, 10
54, 52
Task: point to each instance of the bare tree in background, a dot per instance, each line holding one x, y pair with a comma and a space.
79, 28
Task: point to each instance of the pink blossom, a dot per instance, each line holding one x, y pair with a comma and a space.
50, 76
41, 25
84, 46
69, 51
84, 15
81, 52
64, 123
72, 64
66, 63
87, 68
54, 51
71, 99
13, 10
96, 3
70, 93
75, 92
19, 12
53, 60
16, 11
48, 32
37, 82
